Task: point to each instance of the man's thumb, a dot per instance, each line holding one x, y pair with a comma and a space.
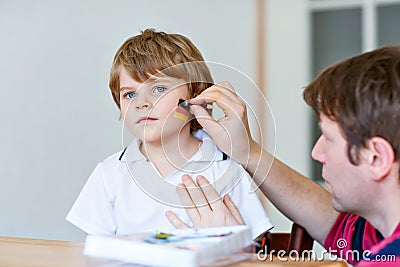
205, 119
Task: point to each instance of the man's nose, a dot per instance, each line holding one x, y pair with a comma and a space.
318, 151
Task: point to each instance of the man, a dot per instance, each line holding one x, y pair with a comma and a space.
357, 102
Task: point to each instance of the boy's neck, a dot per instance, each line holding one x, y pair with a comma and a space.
172, 153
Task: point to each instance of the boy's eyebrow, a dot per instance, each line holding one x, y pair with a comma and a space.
153, 79
125, 88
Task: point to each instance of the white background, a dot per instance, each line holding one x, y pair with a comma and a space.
57, 115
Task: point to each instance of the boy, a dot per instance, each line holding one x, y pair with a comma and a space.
131, 191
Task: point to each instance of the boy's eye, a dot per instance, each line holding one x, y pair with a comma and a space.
159, 89
130, 95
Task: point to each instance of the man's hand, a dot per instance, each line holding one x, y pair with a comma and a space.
231, 133
204, 206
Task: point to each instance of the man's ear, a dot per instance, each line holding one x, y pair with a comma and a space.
380, 157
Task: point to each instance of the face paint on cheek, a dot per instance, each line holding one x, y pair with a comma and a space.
182, 111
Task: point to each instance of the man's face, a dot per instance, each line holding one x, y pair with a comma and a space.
148, 108
346, 182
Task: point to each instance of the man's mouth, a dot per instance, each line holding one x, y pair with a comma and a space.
143, 120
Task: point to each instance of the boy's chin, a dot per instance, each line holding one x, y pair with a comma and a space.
150, 137
153, 137
149, 140
156, 136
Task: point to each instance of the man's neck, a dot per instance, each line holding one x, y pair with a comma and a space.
387, 221
385, 215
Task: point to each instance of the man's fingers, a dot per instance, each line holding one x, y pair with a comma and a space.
209, 123
233, 209
175, 221
225, 100
221, 93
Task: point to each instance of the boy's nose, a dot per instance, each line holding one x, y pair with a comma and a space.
143, 105
142, 102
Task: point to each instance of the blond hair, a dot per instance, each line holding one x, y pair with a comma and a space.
153, 52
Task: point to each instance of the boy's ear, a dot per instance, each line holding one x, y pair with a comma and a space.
380, 157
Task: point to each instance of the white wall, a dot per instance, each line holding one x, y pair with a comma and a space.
58, 117
287, 74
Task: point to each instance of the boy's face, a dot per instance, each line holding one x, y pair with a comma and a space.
148, 108
347, 183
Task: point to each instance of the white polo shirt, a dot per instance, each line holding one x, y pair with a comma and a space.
126, 195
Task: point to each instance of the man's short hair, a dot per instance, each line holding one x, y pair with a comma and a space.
362, 94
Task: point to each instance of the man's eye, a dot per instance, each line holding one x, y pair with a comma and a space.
159, 89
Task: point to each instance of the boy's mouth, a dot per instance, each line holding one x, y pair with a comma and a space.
145, 120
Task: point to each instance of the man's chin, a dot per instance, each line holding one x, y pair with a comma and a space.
337, 206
